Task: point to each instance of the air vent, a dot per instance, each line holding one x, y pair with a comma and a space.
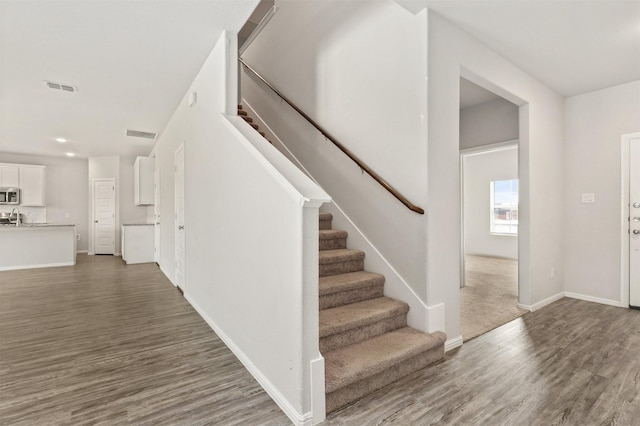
139, 134
60, 86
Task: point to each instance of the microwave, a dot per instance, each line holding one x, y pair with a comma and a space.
9, 196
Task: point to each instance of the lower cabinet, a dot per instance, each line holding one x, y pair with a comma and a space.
137, 243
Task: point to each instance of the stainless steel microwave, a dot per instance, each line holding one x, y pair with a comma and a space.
9, 196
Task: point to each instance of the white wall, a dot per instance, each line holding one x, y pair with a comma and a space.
594, 123
245, 246
487, 123
479, 170
66, 196
358, 69
453, 52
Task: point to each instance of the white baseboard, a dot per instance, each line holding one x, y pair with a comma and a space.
297, 418
90, 253
450, 344
45, 265
594, 299
81, 251
541, 304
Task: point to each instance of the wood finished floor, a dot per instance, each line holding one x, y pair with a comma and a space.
105, 343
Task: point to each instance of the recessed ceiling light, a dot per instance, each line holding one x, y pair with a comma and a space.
61, 140
70, 154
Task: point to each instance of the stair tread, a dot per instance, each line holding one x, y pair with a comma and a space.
326, 216
331, 234
350, 281
359, 314
350, 364
339, 255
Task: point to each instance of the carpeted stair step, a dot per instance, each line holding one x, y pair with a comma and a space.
353, 323
255, 126
325, 220
342, 261
242, 113
333, 239
338, 290
358, 370
247, 118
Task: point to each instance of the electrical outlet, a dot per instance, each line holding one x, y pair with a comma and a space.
552, 274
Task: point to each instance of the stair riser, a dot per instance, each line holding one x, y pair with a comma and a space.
351, 296
350, 337
351, 393
343, 267
333, 244
325, 224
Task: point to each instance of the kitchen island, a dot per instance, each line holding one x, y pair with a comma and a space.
37, 246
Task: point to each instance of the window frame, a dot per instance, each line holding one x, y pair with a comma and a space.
510, 207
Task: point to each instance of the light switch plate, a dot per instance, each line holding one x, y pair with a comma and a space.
588, 198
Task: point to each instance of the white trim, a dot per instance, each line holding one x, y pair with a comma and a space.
297, 418
594, 299
450, 344
435, 318
492, 147
90, 253
81, 251
258, 29
624, 215
318, 401
171, 280
44, 265
541, 304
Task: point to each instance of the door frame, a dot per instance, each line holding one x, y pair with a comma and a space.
175, 219
156, 213
92, 219
625, 284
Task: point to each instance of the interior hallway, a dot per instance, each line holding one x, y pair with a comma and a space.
490, 296
104, 342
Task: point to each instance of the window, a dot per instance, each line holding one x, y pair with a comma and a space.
504, 207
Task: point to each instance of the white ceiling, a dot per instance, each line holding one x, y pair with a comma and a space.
132, 62
572, 46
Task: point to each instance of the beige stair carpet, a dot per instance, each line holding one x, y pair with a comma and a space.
363, 334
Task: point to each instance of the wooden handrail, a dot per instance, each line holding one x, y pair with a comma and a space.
341, 147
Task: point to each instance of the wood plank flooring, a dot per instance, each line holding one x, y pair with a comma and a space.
108, 343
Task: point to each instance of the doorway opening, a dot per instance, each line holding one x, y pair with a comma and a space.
489, 131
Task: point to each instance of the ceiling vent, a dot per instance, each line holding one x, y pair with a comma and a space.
60, 86
139, 134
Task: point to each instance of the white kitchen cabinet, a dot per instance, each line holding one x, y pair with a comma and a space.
32, 185
9, 176
143, 170
137, 243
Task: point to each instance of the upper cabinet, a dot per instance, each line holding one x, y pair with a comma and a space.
32, 185
143, 170
9, 176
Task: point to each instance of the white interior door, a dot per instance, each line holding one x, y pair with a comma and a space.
156, 214
634, 220
104, 216
179, 218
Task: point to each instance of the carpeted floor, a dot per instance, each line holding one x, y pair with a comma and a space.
490, 296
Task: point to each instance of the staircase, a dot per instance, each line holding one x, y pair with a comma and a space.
364, 336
